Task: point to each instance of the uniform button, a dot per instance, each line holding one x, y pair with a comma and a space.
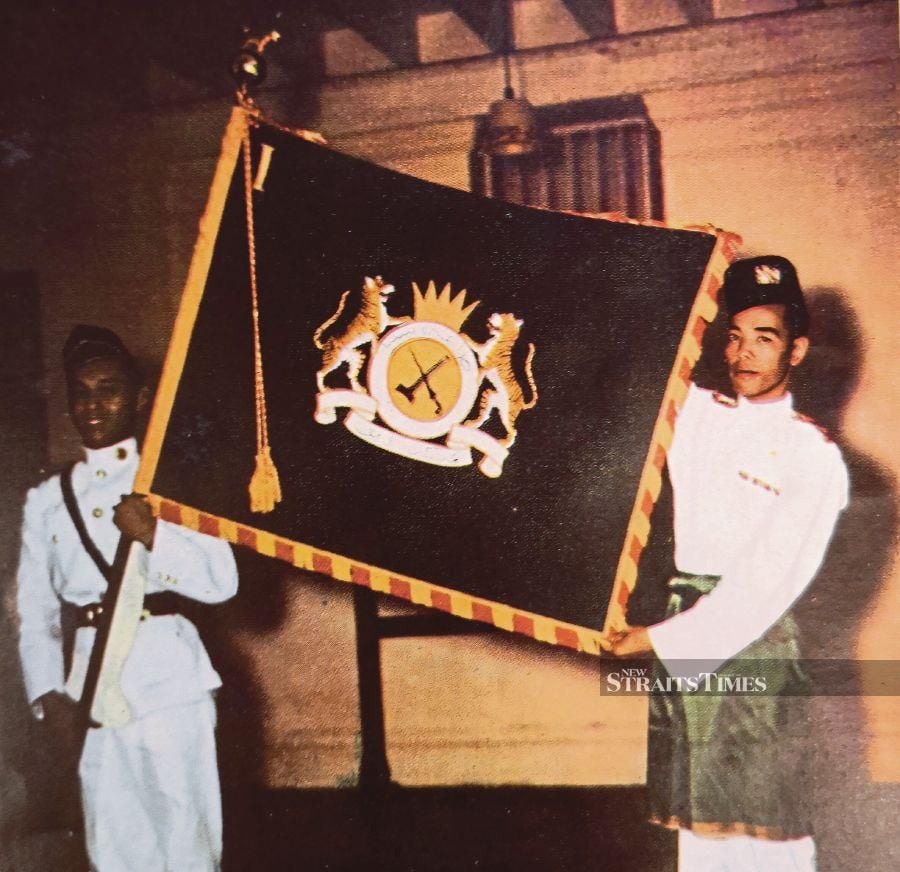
97, 513
121, 453
101, 473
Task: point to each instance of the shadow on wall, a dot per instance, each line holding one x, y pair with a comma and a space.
853, 815
260, 608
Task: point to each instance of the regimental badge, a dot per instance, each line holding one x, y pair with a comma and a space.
767, 275
429, 389
725, 400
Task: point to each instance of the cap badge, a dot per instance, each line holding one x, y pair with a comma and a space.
767, 275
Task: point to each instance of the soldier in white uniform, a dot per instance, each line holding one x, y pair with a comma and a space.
757, 492
150, 789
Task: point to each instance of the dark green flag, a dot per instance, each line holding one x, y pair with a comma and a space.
481, 452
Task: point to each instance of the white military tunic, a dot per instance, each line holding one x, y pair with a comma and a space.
757, 491
150, 789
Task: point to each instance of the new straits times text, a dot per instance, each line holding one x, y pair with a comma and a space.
753, 677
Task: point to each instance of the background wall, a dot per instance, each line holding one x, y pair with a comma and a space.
777, 120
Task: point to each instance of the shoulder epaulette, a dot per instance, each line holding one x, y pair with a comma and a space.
724, 400
799, 416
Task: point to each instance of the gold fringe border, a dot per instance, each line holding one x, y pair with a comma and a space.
190, 300
702, 313
415, 590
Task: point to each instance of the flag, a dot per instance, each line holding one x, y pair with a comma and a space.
466, 402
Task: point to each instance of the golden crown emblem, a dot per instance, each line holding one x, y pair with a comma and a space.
444, 308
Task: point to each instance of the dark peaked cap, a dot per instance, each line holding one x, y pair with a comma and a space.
88, 342
766, 281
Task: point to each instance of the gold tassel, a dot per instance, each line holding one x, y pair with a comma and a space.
265, 488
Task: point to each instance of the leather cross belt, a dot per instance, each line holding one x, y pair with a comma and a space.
155, 604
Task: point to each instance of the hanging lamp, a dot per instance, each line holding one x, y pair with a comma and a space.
511, 128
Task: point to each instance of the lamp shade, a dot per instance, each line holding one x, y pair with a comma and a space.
511, 128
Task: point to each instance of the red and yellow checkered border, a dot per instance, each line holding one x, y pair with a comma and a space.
416, 590
701, 315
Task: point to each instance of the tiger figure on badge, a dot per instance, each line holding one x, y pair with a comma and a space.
367, 325
505, 393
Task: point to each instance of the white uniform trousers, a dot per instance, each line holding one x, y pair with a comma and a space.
150, 792
744, 854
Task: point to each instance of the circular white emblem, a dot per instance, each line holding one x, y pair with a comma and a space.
424, 378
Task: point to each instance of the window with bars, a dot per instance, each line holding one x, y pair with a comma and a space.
595, 156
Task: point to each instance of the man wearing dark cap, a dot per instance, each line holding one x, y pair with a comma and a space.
150, 789
757, 492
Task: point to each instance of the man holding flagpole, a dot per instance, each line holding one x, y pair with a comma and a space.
757, 492
150, 789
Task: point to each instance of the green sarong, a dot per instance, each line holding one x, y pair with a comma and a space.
729, 763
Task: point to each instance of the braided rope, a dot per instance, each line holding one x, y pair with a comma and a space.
265, 490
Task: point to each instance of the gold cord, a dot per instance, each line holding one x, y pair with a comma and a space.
265, 488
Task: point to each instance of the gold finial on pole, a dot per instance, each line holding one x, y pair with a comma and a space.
249, 68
